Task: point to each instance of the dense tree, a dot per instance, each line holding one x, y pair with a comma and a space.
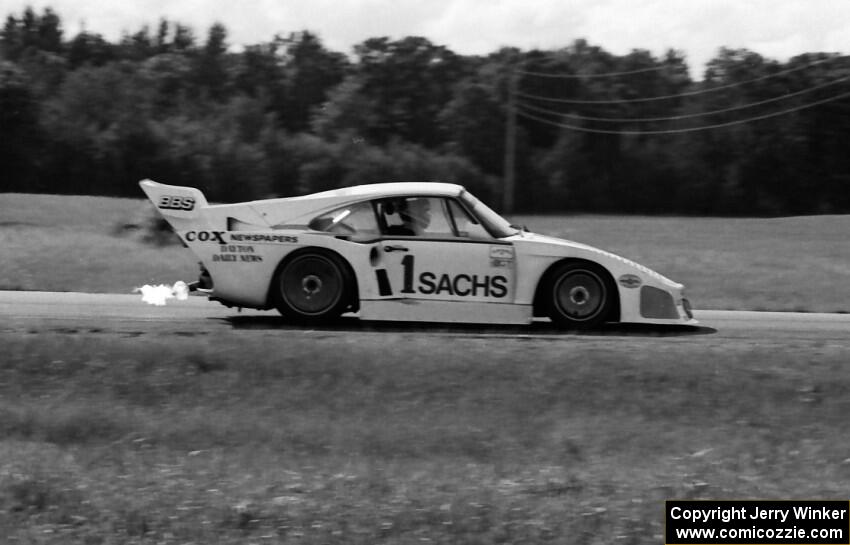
20, 132
406, 84
474, 124
310, 71
595, 131
349, 112
184, 38
210, 68
98, 122
258, 72
87, 48
137, 46
167, 78
31, 32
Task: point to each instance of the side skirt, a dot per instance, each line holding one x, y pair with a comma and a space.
418, 310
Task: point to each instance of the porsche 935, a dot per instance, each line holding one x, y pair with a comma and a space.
406, 252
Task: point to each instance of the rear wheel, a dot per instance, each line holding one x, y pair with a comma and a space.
312, 286
579, 295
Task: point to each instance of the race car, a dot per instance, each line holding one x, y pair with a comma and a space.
401, 251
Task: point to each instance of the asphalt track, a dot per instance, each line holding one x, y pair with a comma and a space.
34, 312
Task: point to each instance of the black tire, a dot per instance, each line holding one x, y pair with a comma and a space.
579, 295
312, 286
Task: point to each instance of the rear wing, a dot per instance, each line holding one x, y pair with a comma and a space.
174, 200
179, 205
186, 208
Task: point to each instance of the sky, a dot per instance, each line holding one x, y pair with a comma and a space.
777, 29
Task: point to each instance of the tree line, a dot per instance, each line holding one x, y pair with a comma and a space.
595, 132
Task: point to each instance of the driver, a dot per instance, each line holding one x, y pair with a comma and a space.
416, 215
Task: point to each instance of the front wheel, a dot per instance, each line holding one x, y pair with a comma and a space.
312, 286
579, 295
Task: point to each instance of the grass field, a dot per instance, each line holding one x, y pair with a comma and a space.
71, 243
798, 263
272, 437
277, 435
68, 243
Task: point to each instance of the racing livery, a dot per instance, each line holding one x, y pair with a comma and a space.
406, 252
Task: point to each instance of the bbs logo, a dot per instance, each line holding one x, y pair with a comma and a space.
172, 202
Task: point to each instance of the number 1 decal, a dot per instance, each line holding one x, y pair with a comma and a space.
407, 263
453, 285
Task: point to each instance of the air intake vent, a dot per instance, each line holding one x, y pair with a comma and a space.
658, 304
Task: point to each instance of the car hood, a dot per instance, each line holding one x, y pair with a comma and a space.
552, 246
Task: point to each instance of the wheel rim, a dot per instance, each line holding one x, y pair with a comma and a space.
580, 295
311, 285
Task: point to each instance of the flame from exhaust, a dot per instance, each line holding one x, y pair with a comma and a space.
158, 295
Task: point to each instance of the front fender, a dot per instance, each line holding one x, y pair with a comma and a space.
644, 295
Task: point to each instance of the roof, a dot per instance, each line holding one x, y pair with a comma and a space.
390, 189
301, 209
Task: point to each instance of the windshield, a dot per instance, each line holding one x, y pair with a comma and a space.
498, 226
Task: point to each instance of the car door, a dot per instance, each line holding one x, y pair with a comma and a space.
450, 258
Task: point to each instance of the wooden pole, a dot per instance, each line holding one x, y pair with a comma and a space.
509, 181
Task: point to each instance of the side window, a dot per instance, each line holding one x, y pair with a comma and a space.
467, 226
415, 217
357, 220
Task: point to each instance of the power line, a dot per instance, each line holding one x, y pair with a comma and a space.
603, 75
679, 95
516, 108
526, 115
682, 116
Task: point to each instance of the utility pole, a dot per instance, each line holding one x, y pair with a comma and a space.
509, 171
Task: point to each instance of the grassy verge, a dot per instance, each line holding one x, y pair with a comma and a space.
250, 437
78, 244
71, 243
791, 264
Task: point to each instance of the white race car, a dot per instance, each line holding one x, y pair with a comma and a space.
406, 252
